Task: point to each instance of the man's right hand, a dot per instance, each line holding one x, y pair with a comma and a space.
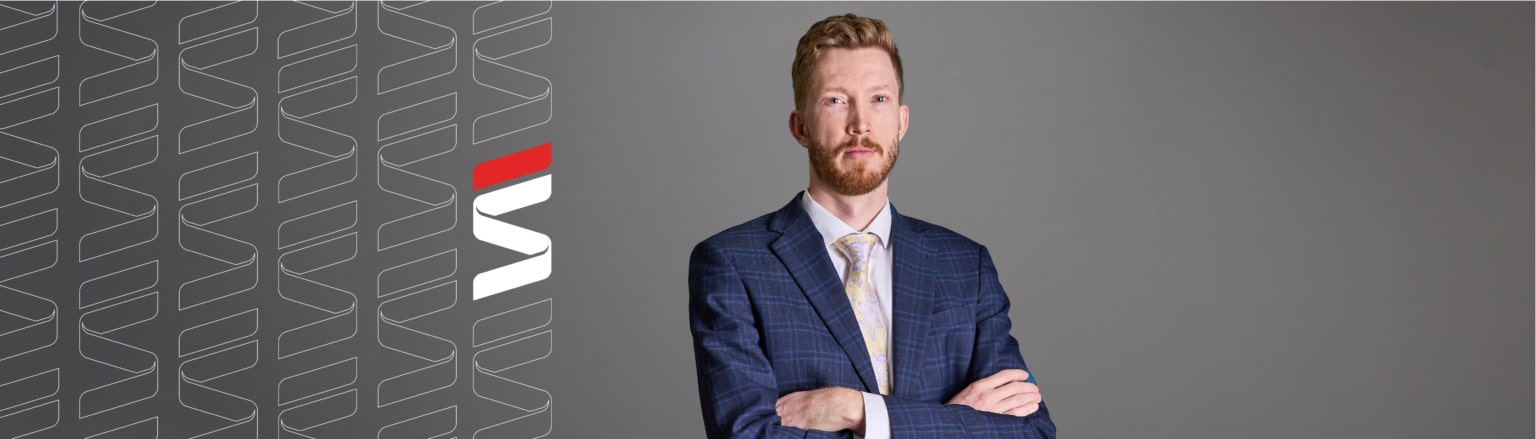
1005, 393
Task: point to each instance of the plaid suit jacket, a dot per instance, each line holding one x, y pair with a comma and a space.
769, 317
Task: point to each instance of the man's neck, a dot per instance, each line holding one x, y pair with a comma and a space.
856, 211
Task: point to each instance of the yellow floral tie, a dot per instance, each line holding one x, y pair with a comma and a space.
866, 304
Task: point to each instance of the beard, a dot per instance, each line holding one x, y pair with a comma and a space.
860, 179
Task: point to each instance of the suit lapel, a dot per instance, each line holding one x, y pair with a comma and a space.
913, 299
801, 250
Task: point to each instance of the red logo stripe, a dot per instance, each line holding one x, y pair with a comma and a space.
512, 165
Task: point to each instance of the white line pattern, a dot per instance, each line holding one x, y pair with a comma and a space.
217, 353
509, 29
118, 143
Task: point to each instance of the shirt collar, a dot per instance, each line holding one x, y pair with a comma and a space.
832, 228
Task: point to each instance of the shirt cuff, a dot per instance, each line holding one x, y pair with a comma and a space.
877, 422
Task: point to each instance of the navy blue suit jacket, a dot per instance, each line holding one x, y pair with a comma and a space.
770, 317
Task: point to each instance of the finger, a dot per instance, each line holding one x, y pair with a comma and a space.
1003, 377
1010, 390
1024, 410
1011, 397
1020, 399
791, 422
991, 397
1022, 387
789, 416
786, 404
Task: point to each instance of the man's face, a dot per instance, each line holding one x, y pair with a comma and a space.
853, 121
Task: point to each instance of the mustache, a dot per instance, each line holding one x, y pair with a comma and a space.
866, 142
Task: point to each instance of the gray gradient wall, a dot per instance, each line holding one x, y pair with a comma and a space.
1247, 220
1256, 220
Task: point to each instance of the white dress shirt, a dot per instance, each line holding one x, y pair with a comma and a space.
877, 422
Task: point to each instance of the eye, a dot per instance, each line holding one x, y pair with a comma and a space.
834, 100
881, 99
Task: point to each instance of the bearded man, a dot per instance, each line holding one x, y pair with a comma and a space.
837, 316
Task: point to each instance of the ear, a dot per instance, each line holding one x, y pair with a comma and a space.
901, 130
797, 128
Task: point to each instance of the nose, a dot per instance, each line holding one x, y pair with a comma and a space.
858, 119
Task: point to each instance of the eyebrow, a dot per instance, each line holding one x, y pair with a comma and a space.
845, 90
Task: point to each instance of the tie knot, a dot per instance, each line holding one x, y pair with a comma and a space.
856, 246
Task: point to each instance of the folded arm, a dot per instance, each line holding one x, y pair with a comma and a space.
737, 388
996, 350
739, 393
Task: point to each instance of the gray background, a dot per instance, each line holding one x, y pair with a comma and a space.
1214, 220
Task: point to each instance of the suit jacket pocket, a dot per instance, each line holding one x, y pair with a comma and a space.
953, 314
951, 343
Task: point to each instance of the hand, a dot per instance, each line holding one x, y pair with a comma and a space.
827, 409
1004, 393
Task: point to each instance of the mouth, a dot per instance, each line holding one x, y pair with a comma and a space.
859, 152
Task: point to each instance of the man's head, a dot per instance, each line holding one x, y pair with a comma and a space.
848, 112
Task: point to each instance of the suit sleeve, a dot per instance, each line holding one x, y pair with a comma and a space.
737, 388
995, 350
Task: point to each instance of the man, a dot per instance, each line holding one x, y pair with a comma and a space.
837, 315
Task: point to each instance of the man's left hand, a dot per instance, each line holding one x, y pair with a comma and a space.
828, 409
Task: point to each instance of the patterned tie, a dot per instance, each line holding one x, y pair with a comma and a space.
866, 304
